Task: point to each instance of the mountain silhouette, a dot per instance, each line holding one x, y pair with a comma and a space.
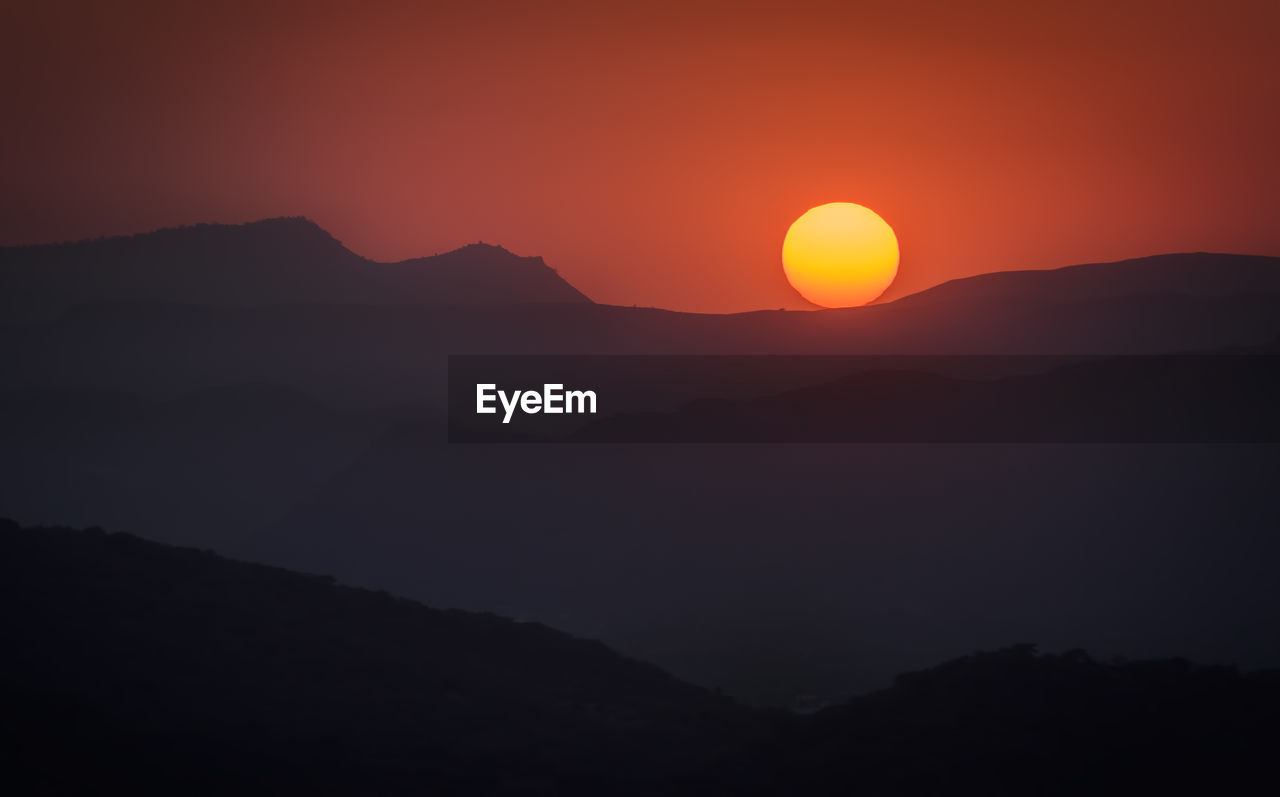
172, 670
143, 668
275, 261
1189, 273
1189, 399
1012, 721
286, 261
285, 419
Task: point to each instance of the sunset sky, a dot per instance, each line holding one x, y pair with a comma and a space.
655, 154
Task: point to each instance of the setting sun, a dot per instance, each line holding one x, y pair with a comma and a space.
840, 255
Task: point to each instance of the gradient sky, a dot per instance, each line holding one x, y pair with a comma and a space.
654, 153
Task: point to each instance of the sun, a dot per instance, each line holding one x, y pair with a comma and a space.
840, 255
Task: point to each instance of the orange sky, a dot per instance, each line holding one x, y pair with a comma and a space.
654, 153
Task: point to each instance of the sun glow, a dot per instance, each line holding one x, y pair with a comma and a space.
840, 255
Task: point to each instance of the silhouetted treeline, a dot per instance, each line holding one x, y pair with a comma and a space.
143, 668
174, 671
1014, 721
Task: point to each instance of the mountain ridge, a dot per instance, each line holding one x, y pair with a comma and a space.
280, 260
161, 670
203, 649
1174, 272
295, 260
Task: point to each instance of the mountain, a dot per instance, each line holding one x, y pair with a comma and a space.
1188, 273
1012, 721
286, 261
133, 667
1165, 399
275, 261
172, 670
310, 434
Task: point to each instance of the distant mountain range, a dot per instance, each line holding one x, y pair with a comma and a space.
294, 261
281, 301
261, 391
1170, 399
1193, 274
133, 667
276, 261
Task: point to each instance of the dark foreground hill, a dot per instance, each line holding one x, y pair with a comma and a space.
151, 669
171, 670
1014, 722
